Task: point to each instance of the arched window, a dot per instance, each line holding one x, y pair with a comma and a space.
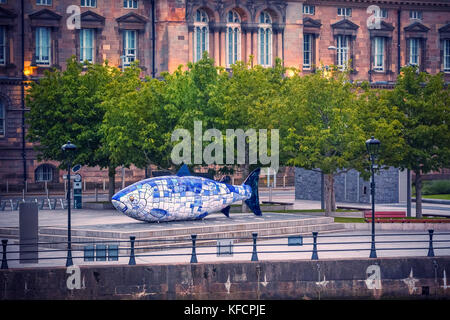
2, 119
265, 39
44, 173
233, 37
201, 34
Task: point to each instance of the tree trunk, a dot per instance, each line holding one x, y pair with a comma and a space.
329, 179
418, 182
111, 181
333, 196
245, 173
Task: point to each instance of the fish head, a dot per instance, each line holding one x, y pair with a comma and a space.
130, 200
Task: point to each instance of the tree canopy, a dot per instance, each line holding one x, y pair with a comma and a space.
117, 118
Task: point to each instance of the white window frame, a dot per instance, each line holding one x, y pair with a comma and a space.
446, 55
129, 52
265, 40
309, 9
343, 51
200, 34
3, 45
379, 44
40, 47
88, 3
307, 50
414, 51
44, 2
2, 119
415, 14
233, 38
130, 4
44, 173
344, 12
84, 46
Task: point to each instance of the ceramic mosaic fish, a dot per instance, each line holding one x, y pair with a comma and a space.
185, 197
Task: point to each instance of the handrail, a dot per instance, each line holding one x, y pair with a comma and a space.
118, 248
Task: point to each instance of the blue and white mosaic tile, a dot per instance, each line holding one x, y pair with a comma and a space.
170, 198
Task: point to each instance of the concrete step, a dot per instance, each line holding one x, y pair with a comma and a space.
187, 231
146, 244
172, 232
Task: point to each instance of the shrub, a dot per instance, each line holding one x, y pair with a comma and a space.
436, 187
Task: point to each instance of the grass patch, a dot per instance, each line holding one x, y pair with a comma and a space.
362, 220
348, 220
309, 211
437, 196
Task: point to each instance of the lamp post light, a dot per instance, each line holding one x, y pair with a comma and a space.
373, 147
69, 149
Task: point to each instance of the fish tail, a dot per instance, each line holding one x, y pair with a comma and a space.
253, 201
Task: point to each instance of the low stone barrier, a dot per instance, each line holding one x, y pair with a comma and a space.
398, 226
382, 278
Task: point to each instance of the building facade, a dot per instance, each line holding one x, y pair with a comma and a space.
372, 37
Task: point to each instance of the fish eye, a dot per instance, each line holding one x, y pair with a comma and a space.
131, 198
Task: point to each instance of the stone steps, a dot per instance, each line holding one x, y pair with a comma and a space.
228, 227
172, 237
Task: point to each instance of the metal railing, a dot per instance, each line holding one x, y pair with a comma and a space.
127, 248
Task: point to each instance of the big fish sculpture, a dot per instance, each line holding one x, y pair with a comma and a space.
185, 197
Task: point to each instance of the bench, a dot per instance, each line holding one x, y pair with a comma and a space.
384, 214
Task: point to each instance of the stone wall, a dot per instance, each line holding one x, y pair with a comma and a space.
349, 186
385, 278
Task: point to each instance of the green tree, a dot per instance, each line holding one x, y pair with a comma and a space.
67, 105
248, 99
323, 132
137, 123
423, 103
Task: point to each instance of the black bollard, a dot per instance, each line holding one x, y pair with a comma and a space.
314, 253
430, 247
194, 253
132, 261
255, 253
4, 260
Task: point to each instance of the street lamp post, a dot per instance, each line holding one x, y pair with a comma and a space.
373, 147
69, 148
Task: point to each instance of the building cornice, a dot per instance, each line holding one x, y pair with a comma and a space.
428, 4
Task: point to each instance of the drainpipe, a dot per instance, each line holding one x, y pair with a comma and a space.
153, 39
23, 95
408, 171
399, 47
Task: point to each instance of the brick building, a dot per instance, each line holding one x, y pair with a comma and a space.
162, 34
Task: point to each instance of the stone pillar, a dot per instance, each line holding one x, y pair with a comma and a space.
28, 225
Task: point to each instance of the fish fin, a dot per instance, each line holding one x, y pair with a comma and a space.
184, 171
226, 180
253, 201
226, 211
158, 213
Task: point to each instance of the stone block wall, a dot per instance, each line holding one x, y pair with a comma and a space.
349, 186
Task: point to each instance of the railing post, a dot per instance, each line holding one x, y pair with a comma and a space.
430, 247
314, 256
255, 253
132, 261
4, 260
194, 253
